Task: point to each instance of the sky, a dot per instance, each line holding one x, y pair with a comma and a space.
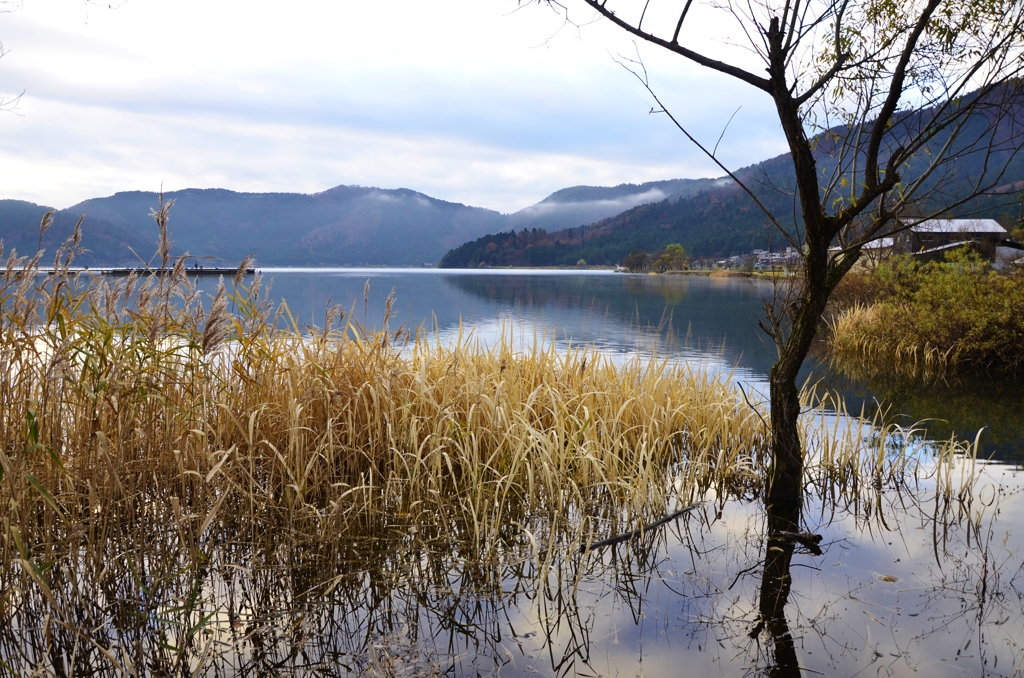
481, 102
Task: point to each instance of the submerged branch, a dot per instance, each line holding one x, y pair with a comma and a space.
617, 539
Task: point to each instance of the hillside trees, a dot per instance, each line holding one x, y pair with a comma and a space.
636, 261
905, 92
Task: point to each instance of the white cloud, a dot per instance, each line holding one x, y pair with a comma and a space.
467, 101
622, 203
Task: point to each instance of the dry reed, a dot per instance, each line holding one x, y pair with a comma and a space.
128, 403
855, 345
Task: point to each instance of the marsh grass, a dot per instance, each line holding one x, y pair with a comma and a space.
930, 320
858, 346
150, 441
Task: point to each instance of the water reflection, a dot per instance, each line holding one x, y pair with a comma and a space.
917, 582
620, 312
707, 320
966, 407
909, 580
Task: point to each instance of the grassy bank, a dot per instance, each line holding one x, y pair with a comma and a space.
932, 319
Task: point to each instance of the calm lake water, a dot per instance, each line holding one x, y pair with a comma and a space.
903, 588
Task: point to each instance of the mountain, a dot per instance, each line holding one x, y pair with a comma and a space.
107, 242
719, 218
346, 225
357, 225
343, 226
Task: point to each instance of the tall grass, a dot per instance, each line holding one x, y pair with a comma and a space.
930, 320
130, 403
862, 339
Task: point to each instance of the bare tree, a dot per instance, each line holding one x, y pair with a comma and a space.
884, 105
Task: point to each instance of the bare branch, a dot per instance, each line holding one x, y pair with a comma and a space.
710, 154
895, 92
760, 83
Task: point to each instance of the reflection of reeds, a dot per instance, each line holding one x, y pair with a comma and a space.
852, 460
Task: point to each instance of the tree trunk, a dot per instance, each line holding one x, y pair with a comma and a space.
784, 483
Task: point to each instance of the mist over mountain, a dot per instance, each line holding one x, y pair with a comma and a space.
581, 205
359, 225
343, 226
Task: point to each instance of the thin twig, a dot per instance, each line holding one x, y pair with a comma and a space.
756, 411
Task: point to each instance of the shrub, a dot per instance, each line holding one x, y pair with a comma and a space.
944, 315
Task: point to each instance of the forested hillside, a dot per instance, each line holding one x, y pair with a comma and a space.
343, 226
722, 219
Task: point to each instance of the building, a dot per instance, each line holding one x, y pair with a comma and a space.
932, 238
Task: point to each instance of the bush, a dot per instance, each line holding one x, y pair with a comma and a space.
957, 313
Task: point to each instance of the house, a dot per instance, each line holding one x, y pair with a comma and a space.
932, 238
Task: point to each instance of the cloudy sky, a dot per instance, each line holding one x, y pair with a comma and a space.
474, 101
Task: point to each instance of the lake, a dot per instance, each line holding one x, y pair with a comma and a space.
672, 315
916, 572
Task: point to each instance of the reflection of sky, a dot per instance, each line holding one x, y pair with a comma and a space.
898, 591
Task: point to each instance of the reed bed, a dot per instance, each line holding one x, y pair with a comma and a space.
859, 344
131, 405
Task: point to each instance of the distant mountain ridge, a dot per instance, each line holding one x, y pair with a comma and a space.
719, 218
341, 226
581, 205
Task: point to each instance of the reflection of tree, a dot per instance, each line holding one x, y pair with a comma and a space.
683, 312
776, 583
531, 290
671, 288
391, 599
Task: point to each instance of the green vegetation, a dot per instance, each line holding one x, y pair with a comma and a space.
636, 261
930, 319
672, 258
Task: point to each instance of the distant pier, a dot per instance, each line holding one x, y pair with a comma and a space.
190, 271
140, 270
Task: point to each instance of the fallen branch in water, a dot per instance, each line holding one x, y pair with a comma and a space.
611, 541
